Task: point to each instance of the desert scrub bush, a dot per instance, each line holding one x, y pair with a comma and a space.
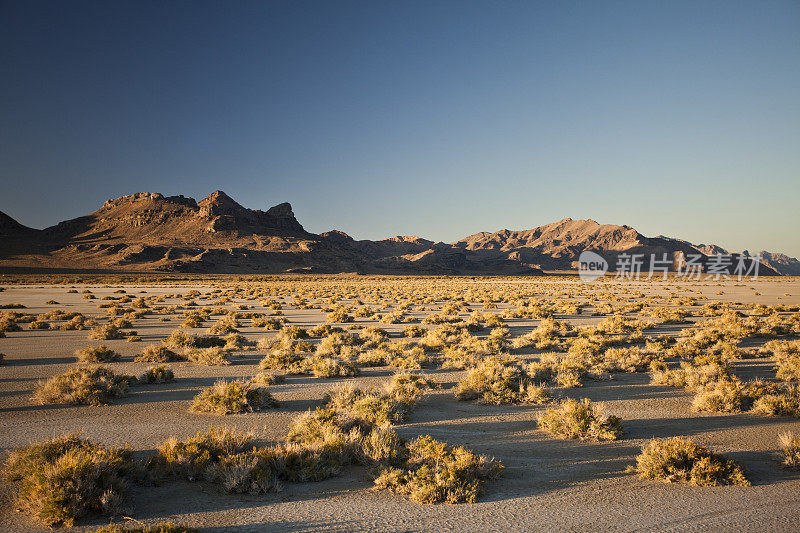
192, 458
180, 339
413, 358
235, 341
790, 450
680, 459
787, 361
292, 333
435, 472
574, 419
157, 354
374, 357
193, 320
690, 376
408, 388
39, 324
207, 356
157, 375
97, 354
288, 356
722, 397
227, 397
83, 386
167, 527
413, 331
493, 382
66, 478
328, 367
630, 359
774, 403
370, 406
377, 407
106, 332
224, 326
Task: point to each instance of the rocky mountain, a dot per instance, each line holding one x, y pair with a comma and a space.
788, 266
151, 232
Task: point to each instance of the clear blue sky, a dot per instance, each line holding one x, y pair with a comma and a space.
433, 118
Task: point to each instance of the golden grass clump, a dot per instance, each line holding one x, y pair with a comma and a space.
83, 386
435, 472
679, 459
97, 354
157, 375
574, 419
66, 478
790, 450
228, 397
157, 354
106, 332
496, 381
215, 356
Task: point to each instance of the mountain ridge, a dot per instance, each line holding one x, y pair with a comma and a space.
153, 232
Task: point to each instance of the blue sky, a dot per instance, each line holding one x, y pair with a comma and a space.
433, 118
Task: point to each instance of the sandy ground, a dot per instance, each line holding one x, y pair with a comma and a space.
549, 484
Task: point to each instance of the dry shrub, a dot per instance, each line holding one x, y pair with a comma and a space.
106, 332
786, 403
690, 376
192, 458
157, 354
328, 367
179, 339
83, 386
157, 375
496, 381
227, 397
207, 356
97, 354
722, 397
790, 450
680, 459
573, 419
66, 478
435, 472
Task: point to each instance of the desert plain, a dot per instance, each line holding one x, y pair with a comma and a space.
548, 483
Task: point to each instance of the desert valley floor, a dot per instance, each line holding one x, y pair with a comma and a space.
548, 483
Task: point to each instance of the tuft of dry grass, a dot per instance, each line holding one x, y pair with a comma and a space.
790, 450
227, 397
157, 354
83, 386
435, 472
97, 354
66, 478
496, 381
680, 459
573, 419
157, 374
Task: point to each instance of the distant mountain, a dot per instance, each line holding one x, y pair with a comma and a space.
788, 266
151, 232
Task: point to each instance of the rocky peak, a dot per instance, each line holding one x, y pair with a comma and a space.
283, 210
218, 203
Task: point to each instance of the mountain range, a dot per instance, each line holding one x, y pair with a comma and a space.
151, 232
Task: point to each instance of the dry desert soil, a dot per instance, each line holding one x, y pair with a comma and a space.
548, 483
